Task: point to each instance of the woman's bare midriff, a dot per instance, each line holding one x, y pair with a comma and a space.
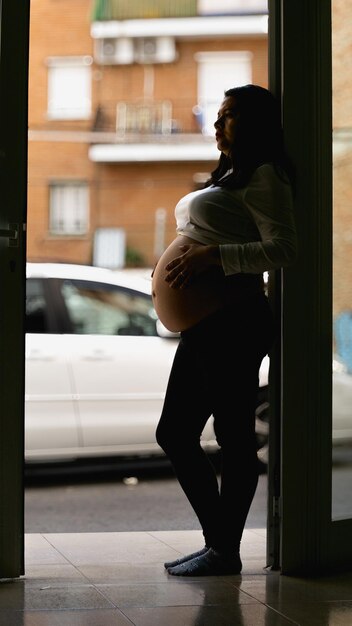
179, 309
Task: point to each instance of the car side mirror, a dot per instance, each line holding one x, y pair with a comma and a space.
164, 332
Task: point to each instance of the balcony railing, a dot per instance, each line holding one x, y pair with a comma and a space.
136, 118
142, 9
148, 117
145, 118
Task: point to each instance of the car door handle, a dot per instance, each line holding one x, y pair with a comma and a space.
98, 355
37, 355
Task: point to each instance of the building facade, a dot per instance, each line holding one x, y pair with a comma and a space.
122, 101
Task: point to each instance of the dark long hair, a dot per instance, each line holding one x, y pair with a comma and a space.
258, 139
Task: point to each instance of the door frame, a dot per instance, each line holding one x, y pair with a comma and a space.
302, 538
14, 18
306, 380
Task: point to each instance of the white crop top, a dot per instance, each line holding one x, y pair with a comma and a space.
254, 226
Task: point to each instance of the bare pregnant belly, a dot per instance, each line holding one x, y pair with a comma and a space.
179, 309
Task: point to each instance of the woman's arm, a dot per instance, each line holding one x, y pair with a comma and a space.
268, 199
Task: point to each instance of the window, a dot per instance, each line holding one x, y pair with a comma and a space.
218, 71
68, 208
69, 88
36, 320
99, 309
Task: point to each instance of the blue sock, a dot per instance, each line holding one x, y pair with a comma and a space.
210, 563
183, 559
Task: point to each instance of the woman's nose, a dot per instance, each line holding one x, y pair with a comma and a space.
218, 122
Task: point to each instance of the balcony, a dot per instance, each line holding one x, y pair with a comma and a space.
145, 118
105, 10
146, 131
178, 18
142, 9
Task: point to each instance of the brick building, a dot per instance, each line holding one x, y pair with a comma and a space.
122, 100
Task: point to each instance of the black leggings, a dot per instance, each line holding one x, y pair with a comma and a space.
215, 372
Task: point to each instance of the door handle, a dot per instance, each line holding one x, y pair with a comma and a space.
97, 355
11, 233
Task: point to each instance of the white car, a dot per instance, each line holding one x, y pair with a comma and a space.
341, 407
97, 365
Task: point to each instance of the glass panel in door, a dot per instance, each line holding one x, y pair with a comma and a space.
342, 260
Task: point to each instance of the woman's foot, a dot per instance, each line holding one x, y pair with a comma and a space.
183, 559
210, 563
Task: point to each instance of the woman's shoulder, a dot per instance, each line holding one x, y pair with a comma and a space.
269, 183
270, 177
271, 171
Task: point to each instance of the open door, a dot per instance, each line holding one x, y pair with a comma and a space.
14, 25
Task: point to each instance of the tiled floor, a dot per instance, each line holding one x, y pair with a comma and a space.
118, 579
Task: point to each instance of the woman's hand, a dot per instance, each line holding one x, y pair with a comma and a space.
194, 260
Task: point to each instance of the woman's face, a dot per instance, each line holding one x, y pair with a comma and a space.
226, 125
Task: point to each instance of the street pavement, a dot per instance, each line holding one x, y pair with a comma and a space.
133, 502
142, 499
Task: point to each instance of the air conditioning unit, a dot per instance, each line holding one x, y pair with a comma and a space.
155, 50
114, 51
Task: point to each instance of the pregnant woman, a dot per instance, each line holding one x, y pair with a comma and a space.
208, 285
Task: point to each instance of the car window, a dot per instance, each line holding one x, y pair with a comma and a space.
96, 308
36, 320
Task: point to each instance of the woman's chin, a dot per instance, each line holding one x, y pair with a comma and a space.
223, 147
